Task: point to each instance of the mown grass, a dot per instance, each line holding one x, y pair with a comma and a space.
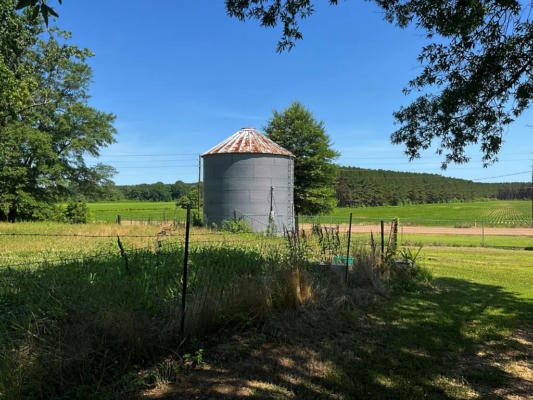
516, 242
446, 343
509, 242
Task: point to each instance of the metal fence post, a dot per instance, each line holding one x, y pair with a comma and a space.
185, 260
348, 250
118, 219
382, 241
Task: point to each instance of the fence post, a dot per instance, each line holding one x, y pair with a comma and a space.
382, 241
482, 233
118, 219
185, 260
348, 251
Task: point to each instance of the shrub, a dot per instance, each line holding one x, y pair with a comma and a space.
197, 219
76, 212
183, 201
235, 225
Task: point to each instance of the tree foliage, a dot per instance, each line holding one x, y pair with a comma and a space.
46, 124
358, 187
190, 199
477, 74
158, 191
314, 173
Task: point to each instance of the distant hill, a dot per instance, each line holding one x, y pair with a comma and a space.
357, 187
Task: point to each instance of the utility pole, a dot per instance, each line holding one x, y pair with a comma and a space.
199, 173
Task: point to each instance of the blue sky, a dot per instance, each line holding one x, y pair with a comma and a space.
182, 76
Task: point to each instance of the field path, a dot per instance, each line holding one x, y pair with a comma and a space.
431, 230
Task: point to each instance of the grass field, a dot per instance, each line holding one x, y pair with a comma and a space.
492, 213
74, 241
469, 337
136, 211
32, 242
495, 213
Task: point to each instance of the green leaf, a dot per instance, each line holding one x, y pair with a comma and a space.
51, 11
44, 13
25, 3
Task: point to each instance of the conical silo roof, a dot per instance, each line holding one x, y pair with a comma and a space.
248, 140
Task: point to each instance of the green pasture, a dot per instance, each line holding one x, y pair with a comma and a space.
438, 341
136, 211
453, 342
491, 213
509, 242
466, 336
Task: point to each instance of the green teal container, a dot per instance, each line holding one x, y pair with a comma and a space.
342, 260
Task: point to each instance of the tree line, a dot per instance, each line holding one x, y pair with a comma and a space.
157, 191
358, 187
355, 187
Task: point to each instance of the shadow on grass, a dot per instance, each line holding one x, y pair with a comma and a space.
82, 329
448, 343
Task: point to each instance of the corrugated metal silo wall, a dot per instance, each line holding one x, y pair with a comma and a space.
240, 184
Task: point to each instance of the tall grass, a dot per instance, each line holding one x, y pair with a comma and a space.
75, 329
83, 328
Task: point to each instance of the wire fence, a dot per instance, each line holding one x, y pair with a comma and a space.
432, 232
334, 244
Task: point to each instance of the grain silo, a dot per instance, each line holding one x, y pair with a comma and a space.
251, 177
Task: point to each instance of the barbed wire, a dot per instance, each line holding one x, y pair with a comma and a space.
85, 257
154, 236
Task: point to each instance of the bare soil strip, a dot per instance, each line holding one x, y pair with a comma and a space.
432, 230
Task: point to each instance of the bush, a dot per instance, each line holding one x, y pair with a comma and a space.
197, 219
235, 226
183, 202
76, 212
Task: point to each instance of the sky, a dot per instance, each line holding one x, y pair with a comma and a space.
181, 76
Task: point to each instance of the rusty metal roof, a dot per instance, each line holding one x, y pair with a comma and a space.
248, 140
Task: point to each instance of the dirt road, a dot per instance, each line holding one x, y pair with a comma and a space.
433, 230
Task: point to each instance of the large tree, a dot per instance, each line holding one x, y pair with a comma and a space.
298, 131
46, 124
478, 67
477, 75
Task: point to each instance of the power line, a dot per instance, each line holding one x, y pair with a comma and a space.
150, 155
501, 176
158, 166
